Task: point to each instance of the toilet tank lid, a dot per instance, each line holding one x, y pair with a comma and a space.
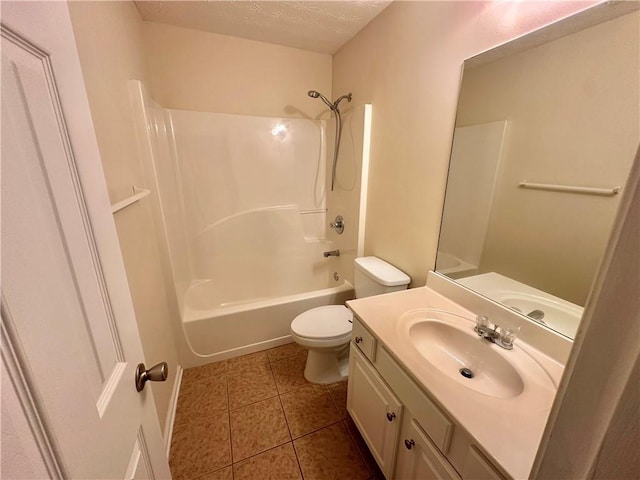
381, 271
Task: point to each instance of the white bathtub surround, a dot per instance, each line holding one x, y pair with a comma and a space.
264, 251
476, 157
243, 208
229, 164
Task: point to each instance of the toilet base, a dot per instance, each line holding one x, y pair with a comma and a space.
325, 367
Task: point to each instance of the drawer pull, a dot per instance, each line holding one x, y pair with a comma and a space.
391, 416
409, 444
358, 339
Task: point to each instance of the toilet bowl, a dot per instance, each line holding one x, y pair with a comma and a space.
326, 331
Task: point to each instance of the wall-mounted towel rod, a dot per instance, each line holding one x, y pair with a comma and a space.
607, 192
316, 210
138, 193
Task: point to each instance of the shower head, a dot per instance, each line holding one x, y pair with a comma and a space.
314, 94
336, 111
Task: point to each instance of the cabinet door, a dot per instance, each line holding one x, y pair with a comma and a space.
418, 458
374, 409
477, 466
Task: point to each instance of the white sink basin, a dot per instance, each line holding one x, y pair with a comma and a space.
450, 350
448, 342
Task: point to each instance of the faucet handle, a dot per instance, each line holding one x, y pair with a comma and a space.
338, 224
508, 336
482, 322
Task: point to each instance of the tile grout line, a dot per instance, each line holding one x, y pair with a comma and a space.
226, 381
285, 418
318, 429
259, 453
283, 414
252, 403
286, 421
293, 446
265, 451
295, 451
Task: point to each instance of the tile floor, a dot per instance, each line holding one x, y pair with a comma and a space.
256, 417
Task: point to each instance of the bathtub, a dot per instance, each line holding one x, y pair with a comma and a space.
255, 272
559, 314
454, 267
226, 329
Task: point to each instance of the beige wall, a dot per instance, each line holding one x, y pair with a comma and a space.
593, 429
572, 106
109, 38
407, 63
196, 70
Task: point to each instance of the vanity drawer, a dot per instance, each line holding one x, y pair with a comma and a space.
434, 422
364, 340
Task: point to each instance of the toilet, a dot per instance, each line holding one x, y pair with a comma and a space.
326, 331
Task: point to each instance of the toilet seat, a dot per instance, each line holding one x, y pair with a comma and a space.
328, 326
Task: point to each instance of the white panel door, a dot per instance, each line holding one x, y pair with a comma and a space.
70, 341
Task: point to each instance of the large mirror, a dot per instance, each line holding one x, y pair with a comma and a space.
546, 131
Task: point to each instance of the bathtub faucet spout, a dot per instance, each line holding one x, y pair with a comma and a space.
331, 253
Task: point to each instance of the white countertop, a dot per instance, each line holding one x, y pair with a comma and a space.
507, 429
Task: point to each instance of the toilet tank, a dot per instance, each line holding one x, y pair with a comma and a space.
374, 276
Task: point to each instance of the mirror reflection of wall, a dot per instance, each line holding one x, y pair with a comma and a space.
565, 113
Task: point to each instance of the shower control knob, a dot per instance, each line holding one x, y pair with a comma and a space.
157, 373
338, 224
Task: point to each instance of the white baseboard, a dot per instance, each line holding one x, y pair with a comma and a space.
171, 413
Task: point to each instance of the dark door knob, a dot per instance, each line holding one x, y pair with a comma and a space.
157, 373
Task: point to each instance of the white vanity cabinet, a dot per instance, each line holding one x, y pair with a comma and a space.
374, 409
410, 436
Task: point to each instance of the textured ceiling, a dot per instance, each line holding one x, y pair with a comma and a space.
317, 26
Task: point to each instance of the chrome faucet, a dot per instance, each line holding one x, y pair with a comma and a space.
331, 253
537, 315
503, 337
